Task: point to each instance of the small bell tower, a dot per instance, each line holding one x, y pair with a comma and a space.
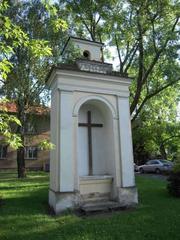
90, 55
89, 50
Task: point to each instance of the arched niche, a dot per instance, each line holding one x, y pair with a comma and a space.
101, 99
102, 138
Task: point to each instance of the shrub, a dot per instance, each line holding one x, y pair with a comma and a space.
1, 201
174, 180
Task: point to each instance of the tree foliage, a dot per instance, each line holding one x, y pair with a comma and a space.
88, 19
28, 56
146, 37
157, 130
6, 123
145, 34
11, 36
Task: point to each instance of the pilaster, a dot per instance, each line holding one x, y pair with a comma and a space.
126, 150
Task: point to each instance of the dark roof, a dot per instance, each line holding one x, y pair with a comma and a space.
74, 67
11, 107
87, 40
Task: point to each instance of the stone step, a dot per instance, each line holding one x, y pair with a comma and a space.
95, 200
100, 206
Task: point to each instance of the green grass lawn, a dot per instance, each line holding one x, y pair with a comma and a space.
23, 214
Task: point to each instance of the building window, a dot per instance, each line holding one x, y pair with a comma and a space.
30, 152
29, 128
3, 151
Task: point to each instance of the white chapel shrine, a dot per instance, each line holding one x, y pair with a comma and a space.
91, 165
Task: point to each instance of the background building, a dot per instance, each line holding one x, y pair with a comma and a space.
36, 130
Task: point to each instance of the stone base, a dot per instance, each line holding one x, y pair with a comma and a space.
62, 201
127, 196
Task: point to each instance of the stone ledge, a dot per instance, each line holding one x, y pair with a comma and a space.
95, 184
95, 177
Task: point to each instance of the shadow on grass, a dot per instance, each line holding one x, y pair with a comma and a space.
26, 202
24, 216
21, 187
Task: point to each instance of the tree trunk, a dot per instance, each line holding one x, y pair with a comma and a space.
21, 163
21, 132
163, 151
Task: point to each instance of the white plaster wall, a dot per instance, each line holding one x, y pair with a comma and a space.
126, 150
93, 83
98, 143
82, 149
93, 48
107, 142
110, 148
66, 142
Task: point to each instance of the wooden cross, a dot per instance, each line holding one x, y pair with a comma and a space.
89, 125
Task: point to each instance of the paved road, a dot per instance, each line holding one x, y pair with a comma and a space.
155, 176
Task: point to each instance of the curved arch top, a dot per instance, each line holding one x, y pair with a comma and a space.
84, 99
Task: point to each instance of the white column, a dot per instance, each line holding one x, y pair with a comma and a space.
66, 142
117, 150
75, 155
126, 150
54, 153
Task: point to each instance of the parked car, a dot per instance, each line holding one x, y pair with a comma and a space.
156, 166
136, 168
